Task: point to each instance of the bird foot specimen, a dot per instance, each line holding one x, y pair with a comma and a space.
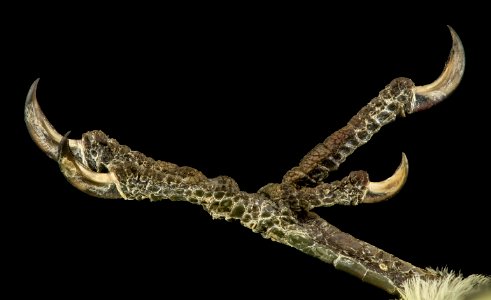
101, 167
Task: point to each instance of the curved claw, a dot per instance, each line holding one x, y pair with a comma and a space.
428, 95
384, 190
102, 185
40, 129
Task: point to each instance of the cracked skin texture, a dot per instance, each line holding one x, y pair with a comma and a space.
278, 211
326, 157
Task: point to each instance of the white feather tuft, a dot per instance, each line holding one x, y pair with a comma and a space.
449, 286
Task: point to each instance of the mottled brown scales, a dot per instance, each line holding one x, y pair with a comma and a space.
282, 212
278, 211
315, 167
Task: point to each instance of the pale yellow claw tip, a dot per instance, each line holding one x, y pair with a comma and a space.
428, 95
42, 132
383, 190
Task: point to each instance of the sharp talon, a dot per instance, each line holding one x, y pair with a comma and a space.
101, 185
428, 95
384, 190
42, 132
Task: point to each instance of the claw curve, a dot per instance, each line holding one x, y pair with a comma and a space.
384, 190
428, 95
42, 132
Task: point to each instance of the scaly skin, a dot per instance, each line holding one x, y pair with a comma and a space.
280, 212
326, 157
100, 166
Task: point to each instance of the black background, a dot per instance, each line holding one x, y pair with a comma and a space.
243, 94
